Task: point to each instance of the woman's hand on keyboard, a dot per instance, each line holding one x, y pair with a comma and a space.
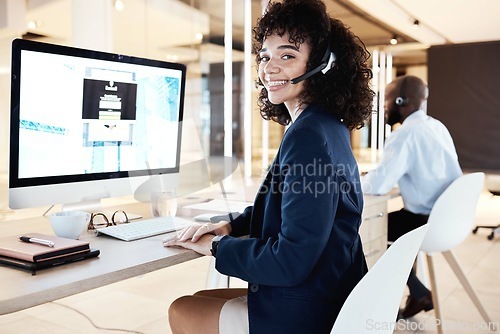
194, 232
202, 246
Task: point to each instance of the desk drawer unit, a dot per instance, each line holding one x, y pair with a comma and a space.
373, 231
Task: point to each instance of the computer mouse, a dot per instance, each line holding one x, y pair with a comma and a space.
205, 217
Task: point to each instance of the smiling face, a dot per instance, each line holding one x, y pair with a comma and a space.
280, 62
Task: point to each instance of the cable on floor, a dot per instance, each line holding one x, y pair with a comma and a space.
94, 324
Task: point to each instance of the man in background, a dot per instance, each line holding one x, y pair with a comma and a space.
421, 158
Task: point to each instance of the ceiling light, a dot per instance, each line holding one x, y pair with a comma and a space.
199, 36
119, 5
394, 40
34, 24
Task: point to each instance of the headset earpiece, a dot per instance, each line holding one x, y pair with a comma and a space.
401, 100
327, 62
330, 62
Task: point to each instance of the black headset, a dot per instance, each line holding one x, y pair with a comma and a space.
401, 100
327, 62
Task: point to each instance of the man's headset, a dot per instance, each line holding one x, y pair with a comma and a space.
326, 64
401, 100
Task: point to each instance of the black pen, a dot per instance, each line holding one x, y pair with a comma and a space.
37, 241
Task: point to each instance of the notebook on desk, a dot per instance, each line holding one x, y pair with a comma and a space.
35, 266
14, 248
33, 256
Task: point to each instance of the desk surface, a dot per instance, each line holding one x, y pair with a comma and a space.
118, 261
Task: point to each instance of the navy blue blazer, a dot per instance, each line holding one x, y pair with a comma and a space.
304, 254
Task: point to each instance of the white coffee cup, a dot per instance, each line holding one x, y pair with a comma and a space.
69, 224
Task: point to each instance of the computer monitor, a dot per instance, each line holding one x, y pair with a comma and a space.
87, 125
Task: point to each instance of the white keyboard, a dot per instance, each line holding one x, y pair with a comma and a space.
145, 228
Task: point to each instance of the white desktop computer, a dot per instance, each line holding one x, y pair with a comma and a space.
87, 125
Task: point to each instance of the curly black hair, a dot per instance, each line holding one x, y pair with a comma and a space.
345, 89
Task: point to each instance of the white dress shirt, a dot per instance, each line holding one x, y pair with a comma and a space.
421, 158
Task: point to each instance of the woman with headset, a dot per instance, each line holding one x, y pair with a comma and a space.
303, 254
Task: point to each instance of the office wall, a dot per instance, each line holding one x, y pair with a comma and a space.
418, 71
465, 95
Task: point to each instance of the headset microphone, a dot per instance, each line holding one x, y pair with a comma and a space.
326, 64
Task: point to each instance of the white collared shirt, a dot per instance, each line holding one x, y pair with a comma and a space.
421, 158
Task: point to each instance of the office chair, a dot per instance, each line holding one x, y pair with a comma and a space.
493, 186
450, 222
373, 304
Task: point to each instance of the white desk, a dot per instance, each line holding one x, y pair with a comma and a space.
119, 260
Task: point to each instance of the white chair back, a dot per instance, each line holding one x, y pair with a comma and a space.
452, 216
373, 304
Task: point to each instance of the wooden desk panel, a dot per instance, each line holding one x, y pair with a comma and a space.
373, 230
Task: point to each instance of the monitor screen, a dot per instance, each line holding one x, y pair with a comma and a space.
86, 124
